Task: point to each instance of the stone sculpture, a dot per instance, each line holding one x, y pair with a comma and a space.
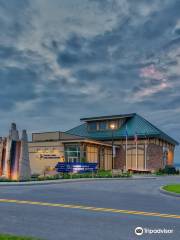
14, 156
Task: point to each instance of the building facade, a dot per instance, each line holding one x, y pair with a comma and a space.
120, 142
47, 149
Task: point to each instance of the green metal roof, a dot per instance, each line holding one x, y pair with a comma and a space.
135, 125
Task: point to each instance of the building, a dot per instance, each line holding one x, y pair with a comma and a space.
49, 148
125, 141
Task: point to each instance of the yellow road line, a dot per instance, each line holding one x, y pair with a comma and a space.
71, 206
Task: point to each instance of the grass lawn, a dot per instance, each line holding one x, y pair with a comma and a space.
172, 188
10, 237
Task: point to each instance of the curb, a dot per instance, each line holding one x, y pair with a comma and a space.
47, 182
163, 191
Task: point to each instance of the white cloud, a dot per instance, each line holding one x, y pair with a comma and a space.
146, 92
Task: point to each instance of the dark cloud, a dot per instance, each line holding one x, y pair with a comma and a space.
177, 31
56, 70
17, 85
15, 11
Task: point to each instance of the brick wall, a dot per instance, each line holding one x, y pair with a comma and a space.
154, 156
120, 159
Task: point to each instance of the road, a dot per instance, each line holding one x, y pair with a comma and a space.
59, 211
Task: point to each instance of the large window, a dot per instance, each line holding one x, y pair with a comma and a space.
131, 157
92, 126
92, 153
72, 153
102, 125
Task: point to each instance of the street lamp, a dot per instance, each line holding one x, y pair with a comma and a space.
112, 127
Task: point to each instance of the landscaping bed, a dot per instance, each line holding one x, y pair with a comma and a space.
98, 174
174, 188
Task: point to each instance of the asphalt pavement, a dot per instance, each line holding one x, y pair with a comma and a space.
91, 210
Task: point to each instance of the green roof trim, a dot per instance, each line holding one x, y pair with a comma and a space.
135, 125
110, 117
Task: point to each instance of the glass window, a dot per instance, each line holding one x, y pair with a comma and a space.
102, 125
92, 153
72, 153
92, 126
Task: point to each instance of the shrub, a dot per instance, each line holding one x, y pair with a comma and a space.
7, 180
83, 160
169, 169
35, 176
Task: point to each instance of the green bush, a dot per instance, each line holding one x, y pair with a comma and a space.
43, 178
104, 174
35, 176
167, 170
83, 160
7, 180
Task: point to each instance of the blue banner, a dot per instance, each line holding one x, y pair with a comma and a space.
78, 167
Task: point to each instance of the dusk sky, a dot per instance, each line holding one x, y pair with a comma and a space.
61, 60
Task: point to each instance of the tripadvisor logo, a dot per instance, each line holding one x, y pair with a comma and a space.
139, 231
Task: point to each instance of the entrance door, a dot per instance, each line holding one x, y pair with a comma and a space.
73, 159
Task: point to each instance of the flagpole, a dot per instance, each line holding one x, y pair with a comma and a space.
126, 148
126, 153
136, 154
145, 164
145, 154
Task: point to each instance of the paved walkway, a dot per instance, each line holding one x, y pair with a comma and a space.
59, 181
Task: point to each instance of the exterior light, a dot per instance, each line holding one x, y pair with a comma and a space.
112, 126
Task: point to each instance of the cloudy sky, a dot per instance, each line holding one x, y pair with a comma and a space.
65, 59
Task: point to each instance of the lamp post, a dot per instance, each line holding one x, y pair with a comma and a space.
112, 127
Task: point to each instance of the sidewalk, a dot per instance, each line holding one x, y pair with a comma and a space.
60, 181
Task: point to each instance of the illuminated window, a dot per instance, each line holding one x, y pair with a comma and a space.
92, 153
113, 123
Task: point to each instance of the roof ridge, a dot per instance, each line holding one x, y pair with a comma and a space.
108, 116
